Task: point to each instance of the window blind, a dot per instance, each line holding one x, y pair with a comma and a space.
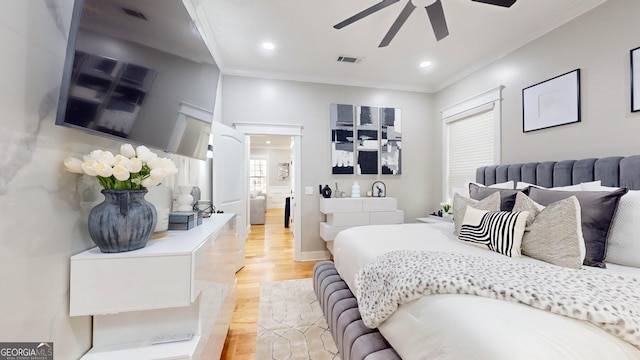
471, 144
258, 175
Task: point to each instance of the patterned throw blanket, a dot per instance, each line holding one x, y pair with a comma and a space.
609, 301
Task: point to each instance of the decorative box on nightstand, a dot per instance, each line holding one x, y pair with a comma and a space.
344, 213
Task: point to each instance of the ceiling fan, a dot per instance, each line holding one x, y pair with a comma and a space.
434, 11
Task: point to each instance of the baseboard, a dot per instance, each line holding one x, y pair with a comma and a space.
314, 255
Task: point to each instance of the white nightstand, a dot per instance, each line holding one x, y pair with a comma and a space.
434, 220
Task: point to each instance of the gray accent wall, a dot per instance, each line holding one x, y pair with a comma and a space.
269, 101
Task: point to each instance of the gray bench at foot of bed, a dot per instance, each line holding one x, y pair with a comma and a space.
354, 340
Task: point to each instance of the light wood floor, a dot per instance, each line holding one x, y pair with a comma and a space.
269, 257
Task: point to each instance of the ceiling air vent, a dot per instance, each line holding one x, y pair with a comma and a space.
348, 59
134, 13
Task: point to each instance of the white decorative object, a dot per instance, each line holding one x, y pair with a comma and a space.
355, 190
185, 199
162, 198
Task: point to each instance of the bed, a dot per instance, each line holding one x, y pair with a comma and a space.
462, 325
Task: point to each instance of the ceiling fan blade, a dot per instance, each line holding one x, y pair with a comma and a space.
366, 12
404, 15
438, 22
505, 3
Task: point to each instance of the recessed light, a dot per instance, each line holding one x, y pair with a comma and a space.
268, 45
268, 141
425, 64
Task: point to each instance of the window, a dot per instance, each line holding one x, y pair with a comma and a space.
471, 132
258, 175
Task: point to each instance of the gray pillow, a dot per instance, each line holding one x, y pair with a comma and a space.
460, 203
553, 233
597, 209
507, 196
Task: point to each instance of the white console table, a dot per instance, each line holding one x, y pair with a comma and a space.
344, 213
182, 283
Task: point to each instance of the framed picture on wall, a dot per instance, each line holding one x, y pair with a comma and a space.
283, 171
551, 103
635, 79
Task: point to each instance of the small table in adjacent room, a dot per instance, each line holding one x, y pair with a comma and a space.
434, 220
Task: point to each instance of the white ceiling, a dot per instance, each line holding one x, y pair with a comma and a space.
270, 142
307, 45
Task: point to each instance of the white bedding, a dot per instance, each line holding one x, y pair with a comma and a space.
471, 327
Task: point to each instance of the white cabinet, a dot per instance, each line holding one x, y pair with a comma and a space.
344, 213
183, 283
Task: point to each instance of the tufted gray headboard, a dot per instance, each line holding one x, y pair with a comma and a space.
612, 171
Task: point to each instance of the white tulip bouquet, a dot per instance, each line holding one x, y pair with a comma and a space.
132, 169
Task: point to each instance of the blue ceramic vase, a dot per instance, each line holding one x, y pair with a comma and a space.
123, 222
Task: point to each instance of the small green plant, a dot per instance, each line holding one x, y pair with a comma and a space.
446, 207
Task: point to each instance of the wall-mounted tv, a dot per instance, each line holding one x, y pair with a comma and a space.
140, 71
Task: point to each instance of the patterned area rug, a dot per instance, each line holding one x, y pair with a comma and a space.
291, 324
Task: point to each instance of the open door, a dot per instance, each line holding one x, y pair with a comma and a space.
229, 188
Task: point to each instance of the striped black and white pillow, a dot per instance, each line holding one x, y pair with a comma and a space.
500, 231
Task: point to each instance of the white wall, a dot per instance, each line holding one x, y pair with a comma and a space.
598, 43
43, 217
307, 104
274, 157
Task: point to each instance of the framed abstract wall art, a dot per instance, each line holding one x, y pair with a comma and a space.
367, 125
365, 140
342, 145
391, 141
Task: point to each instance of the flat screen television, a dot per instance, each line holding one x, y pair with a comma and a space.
139, 71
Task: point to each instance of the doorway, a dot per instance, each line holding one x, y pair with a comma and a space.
256, 131
270, 176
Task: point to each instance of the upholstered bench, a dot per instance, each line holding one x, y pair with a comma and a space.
353, 339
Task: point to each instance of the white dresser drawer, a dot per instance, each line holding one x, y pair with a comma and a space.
340, 205
379, 204
348, 219
127, 284
387, 217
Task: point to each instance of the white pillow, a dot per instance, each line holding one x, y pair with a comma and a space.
623, 244
465, 191
578, 187
523, 185
500, 231
596, 186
